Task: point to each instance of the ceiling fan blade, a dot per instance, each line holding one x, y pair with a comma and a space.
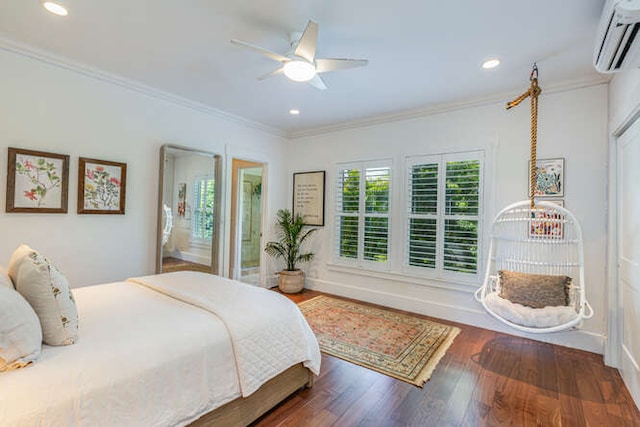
307, 44
325, 65
317, 83
272, 55
271, 74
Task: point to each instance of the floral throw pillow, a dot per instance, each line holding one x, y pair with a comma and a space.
48, 292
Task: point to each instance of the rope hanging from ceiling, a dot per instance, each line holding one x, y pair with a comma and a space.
533, 93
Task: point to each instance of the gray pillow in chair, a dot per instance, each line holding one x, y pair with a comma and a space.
534, 290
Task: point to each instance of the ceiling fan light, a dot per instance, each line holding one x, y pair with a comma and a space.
299, 71
55, 8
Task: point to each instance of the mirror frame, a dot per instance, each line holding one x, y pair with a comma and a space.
215, 239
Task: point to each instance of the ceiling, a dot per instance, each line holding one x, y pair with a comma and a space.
422, 53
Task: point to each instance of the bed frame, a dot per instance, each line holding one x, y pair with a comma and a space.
245, 410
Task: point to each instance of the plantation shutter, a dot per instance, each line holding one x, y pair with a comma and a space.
443, 197
423, 218
362, 212
461, 216
376, 217
348, 208
202, 218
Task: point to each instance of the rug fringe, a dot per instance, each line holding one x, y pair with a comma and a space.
424, 376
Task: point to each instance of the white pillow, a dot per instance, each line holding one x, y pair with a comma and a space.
47, 290
5, 280
20, 333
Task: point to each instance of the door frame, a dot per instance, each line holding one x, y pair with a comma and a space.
614, 319
236, 165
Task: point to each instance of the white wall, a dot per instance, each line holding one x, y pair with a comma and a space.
51, 108
572, 124
624, 306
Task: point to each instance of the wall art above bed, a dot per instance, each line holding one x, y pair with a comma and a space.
37, 181
101, 186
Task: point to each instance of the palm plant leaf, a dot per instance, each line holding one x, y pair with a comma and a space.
291, 235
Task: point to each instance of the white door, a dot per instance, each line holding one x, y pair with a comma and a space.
629, 254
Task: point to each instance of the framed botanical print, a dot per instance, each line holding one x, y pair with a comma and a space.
549, 178
37, 181
101, 186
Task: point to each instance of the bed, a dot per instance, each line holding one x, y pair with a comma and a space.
167, 350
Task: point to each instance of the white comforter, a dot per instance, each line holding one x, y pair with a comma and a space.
261, 352
143, 359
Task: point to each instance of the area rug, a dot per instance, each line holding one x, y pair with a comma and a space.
400, 345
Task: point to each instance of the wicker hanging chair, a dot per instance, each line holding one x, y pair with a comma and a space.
539, 244
534, 280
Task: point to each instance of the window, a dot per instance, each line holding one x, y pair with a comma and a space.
203, 199
443, 194
362, 212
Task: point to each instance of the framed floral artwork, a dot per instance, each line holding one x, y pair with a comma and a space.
101, 186
549, 178
37, 181
547, 225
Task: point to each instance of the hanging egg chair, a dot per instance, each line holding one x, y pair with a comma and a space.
534, 280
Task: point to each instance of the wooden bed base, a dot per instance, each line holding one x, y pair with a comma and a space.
244, 410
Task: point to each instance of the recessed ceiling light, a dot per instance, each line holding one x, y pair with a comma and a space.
55, 8
490, 63
294, 112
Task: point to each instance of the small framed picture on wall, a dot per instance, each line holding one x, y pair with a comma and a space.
549, 178
101, 186
37, 181
308, 196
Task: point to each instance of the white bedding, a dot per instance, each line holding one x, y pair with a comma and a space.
261, 353
143, 359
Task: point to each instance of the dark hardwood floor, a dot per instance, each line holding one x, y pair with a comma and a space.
485, 379
170, 264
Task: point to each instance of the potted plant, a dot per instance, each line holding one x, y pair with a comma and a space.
291, 235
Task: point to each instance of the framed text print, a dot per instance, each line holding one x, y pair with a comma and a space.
308, 197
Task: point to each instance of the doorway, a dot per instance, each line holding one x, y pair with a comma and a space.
246, 221
628, 255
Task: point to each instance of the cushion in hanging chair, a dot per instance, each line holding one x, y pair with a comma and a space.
531, 317
534, 290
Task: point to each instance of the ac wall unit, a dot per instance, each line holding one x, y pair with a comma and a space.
618, 43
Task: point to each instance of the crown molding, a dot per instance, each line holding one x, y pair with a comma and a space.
97, 74
68, 64
442, 108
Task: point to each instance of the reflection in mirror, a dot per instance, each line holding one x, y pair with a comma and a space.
188, 210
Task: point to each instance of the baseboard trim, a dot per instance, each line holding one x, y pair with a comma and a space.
580, 339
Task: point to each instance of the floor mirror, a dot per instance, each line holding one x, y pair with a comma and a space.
188, 210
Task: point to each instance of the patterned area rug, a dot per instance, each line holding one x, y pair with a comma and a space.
399, 345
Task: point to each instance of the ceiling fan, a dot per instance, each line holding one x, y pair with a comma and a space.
300, 64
